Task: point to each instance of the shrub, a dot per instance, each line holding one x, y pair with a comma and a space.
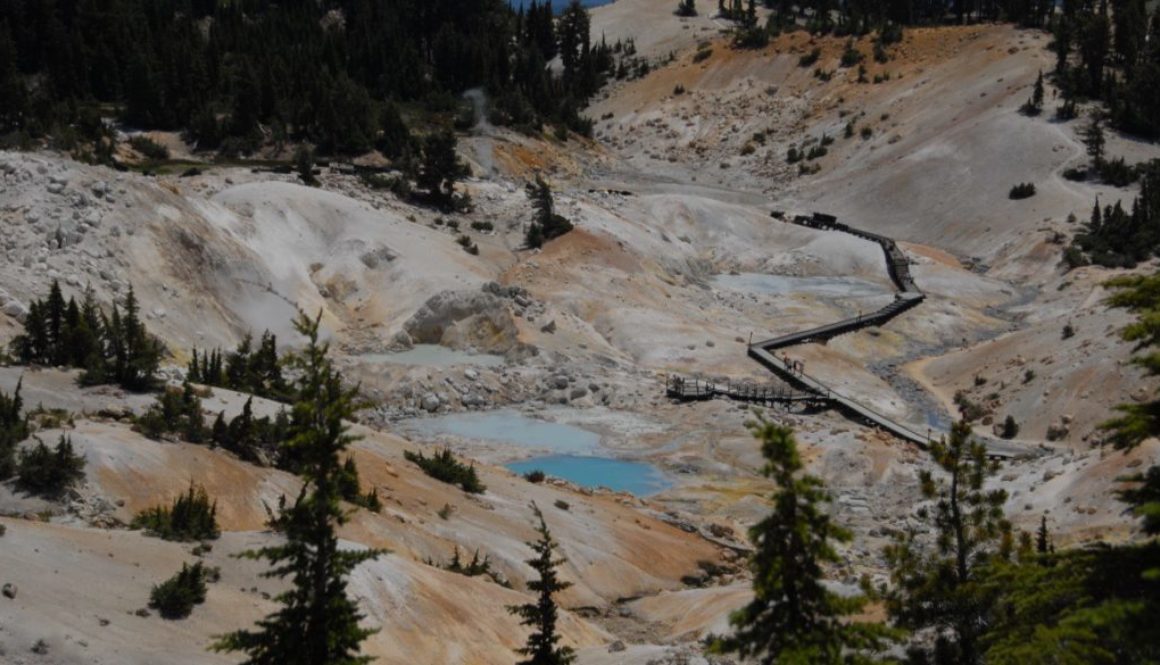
851, 56
191, 517
793, 156
816, 152
702, 55
1117, 172
970, 410
1029, 376
49, 473
687, 8
482, 226
13, 430
880, 55
1010, 428
810, 58
866, 133
535, 476
823, 75
1068, 331
475, 568
1023, 190
1075, 174
175, 597
562, 504
149, 148
468, 245
678, 90
445, 468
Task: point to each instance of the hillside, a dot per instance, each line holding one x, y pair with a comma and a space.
509, 353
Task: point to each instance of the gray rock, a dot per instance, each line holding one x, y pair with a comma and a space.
560, 382
15, 309
431, 402
471, 374
578, 393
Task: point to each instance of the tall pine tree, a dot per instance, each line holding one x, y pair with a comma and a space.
937, 585
542, 615
318, 623
793, 618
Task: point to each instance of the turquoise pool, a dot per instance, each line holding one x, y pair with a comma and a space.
623, 476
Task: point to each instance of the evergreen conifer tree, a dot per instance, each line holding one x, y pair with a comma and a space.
937, 585
541, 616
317, 624
793, 618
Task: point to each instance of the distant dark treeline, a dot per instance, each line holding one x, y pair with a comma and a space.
236, 74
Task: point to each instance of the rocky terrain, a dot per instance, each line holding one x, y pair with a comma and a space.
674, 263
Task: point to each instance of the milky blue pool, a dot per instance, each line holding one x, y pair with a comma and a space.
634, 477
509, 426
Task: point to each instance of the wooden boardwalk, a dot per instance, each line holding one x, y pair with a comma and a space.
800, 387
695, 390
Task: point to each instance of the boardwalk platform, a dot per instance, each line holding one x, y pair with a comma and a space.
806, 389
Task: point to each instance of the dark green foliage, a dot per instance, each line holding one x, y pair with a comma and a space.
445, 468
1023, 190
175, 412
1117, 238
304, 165
1034, 105
1094, 141
258, 440
687, 8
1144, 498
1010, 428
235, 74
245, 369
546, 224
1068, 331
71, 335
1092, 606
111, 350
440, 168
535, 476
49, 472
149, 148
317, 621
175, 597
13, 430
809, 59
1141, 296
476, 567
937, 585
191, 517
851, 55
541, 616
793, 618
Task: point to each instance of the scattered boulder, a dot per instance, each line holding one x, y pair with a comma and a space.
9, 590
431, 402
549, 328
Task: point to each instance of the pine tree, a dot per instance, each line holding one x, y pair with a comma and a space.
441, 167
13, 429
937, 588
1093, 140
50, 472
1042, 539
304, 164
542, 615
793, 618
318, 624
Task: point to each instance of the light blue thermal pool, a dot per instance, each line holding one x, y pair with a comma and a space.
634, 477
